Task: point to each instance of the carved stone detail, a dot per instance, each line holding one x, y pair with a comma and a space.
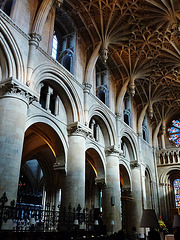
134, 164
79, 129
12, 87
113, 150
35, 39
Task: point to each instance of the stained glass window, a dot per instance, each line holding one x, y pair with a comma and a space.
174, 132
177, 192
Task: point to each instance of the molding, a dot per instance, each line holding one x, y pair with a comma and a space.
13, 88
134, 164
61, 68
113, 150
78, 129
13, 24
100, 181
59, 167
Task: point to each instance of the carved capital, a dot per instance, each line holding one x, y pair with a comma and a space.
118, 116
113, 150
59, 167
13, 88
35, 39
100, 181
79, 129
87, 87
134, 164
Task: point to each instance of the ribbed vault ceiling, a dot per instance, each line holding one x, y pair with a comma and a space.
142, 39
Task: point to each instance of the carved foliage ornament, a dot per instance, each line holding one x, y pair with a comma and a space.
12, 87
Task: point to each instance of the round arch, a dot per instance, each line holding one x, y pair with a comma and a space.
94, 177
169, 173
105, 123
98, 161
131, 143
125, 176
63, 85
11, 60
61, 137
43, 144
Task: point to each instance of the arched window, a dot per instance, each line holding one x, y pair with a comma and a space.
65, 39
177, 192
174, 132
127, 109
54, 47
102, 82
145, 129
49, 99
95, 129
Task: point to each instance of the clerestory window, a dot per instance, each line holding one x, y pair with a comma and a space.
54, 47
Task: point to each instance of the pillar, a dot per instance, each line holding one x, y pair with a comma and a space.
87, 88
136, 195
73, 191
111, 192
14, 99
33, 44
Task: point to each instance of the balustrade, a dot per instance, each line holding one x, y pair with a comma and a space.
168, 156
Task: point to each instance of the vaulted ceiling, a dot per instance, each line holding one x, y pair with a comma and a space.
142, 42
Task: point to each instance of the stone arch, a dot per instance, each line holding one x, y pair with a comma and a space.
64, 86
11, 62
170, 171
131, 143
167, 198
148, 188
59, 136
41, 16
126, 198
94, 177
99, 163
105, 123
125, 176
43, 142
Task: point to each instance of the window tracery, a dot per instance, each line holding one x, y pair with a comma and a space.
177, 192
174, 132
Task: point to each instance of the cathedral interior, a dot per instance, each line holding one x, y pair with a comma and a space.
90, 107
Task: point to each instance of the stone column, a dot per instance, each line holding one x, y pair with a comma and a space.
48, 98
33, 44
73, 191
87, 88
111, 192
14, 99
137, 204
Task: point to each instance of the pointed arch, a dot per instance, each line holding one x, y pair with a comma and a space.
41, 16
91, 64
